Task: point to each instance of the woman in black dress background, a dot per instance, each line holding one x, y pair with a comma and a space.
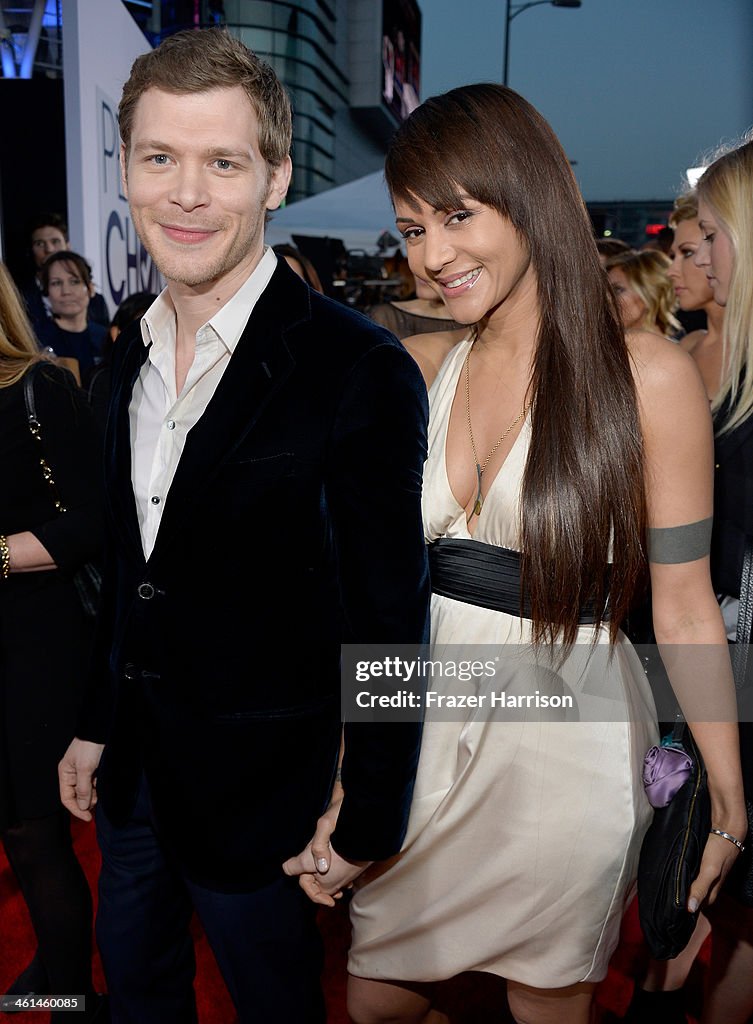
44, 641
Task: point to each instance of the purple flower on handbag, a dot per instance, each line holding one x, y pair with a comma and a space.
665, 771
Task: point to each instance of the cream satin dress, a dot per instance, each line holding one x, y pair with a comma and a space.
525, 827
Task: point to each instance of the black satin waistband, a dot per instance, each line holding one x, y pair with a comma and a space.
483, 575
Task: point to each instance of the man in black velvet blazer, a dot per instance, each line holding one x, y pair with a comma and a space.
263, 492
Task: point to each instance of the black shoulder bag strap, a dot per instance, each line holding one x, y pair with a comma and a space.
87, 580
744, 617
35, 429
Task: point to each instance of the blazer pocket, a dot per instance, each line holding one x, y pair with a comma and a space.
306, 710
243, 484
279, 464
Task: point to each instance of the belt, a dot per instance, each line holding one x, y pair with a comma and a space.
483, 575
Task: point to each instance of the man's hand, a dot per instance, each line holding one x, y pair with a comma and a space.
323, 873
78, 787
321, 887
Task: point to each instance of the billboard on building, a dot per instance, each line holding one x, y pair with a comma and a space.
401, 56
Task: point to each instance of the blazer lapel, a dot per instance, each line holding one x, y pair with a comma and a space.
130, 355
259, 366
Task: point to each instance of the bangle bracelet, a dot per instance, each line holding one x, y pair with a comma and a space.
729, 838
4, 557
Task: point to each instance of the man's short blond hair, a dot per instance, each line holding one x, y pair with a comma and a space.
196, 61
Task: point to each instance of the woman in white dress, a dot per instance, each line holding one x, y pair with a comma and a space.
552, 450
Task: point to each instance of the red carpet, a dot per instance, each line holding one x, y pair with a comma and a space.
474, 998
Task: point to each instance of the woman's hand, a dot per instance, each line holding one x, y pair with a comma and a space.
324, 888
720, 854
28, 554
323, 873
315, 860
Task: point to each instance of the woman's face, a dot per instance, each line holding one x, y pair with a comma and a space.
633, 309
472, 256
691, 286
67, 291
716, 254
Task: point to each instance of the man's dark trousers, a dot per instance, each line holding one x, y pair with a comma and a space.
266, 943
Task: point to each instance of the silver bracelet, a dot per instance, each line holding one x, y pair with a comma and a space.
729, 838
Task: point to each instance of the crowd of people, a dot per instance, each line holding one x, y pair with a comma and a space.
206, 498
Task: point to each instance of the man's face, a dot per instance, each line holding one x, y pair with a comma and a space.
198, 186
45, 241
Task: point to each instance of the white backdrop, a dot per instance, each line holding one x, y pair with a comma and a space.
100, 42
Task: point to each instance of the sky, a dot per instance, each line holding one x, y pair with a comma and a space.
637, 90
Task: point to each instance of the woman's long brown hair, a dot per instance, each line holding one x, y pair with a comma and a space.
583, 493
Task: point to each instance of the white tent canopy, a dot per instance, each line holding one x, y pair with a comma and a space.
357, 213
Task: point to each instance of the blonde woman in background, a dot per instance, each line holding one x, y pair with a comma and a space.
661, 997
693, 292
644, 292
726, 257
722, 240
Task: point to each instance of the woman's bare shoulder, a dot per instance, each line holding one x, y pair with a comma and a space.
689, 341
655, 359
430, 350
666, 377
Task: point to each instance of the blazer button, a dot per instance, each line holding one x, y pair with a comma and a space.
146, 591
129, 670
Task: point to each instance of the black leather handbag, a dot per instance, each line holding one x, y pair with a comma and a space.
671, 856
739, 884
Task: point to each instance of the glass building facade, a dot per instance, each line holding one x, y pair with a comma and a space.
299, 40
306, 43
328, 53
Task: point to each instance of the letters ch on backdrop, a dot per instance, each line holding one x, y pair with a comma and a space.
126, 267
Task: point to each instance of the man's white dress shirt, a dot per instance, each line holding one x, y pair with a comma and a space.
161, 418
